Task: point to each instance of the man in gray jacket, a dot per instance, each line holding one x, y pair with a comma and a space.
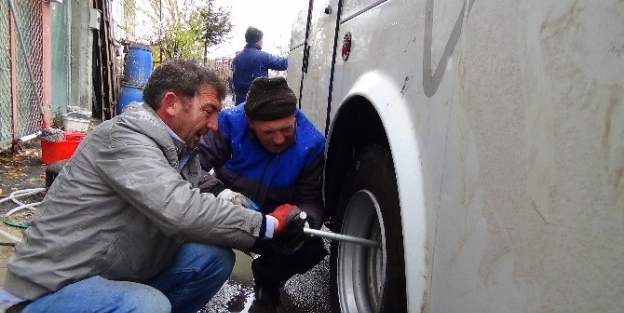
123, 228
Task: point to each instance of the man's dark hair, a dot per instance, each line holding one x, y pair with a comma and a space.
183, 77
253, 35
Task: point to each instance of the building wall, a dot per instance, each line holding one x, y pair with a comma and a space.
123, 19
81, 81
60, 58
72, 45
223, 67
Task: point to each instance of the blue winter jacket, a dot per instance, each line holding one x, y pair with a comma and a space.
243, 165
251, 63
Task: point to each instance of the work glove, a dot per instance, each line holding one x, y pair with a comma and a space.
238, 199
289, 236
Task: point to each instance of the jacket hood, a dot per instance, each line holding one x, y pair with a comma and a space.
135, 117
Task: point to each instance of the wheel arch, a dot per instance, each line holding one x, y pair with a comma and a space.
374, 112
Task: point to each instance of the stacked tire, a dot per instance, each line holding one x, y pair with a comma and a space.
52, 171
137, 69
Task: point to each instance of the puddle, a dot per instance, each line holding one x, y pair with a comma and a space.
242, 268
303, 293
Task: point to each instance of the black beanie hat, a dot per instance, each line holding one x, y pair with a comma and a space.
253, 35
270, 99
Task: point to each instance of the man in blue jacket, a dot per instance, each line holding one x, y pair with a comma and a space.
267, 150
252, 63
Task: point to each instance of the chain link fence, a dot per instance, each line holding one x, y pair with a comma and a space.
5, 76
21, 71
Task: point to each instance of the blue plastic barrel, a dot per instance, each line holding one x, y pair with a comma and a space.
129, 93
138, 66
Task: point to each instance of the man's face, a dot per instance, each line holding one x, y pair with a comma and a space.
275, 136
196, 116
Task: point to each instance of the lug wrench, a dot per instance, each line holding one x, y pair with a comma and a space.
339, 237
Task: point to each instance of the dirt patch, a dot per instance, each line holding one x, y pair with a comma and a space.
22, 170
18, 171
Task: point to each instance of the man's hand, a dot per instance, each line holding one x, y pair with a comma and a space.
238, 199
289, 236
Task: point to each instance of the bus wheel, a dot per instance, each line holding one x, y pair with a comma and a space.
368, 279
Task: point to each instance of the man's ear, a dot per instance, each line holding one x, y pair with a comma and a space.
250, 122
169, 104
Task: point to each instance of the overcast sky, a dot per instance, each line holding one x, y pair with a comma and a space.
273, 17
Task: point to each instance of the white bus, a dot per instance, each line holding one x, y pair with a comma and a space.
481, 141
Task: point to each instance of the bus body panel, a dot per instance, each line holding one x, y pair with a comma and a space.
505, 122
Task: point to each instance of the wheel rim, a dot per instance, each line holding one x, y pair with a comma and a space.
361, 269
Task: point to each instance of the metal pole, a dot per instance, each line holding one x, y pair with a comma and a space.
160, 30
341, 237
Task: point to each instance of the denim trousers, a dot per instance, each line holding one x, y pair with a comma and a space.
186, 285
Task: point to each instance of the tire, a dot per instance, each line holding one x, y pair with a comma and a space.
365, 279
52, 171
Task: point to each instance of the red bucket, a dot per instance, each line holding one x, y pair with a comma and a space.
52, 151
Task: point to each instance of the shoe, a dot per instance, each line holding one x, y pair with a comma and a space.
260, 307
268, 296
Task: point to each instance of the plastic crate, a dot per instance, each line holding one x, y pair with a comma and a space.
75, 124
53, 151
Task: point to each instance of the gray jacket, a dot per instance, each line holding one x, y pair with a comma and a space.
120, 208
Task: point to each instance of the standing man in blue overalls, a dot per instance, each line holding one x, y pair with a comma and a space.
252, 63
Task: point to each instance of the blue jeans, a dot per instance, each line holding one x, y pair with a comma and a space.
186, 285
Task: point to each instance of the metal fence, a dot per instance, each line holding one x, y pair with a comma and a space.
21, 69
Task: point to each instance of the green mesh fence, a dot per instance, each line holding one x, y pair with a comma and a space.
5, 76
29, 85
21, 77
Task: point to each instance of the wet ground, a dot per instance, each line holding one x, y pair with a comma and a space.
304, 293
